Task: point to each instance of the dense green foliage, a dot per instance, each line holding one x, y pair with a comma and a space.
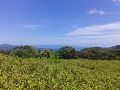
97, 53
25, 51
94, 53
5, 52
45, 54
67, 52
40, 74
116, 47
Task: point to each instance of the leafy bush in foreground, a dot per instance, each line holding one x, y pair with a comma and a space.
38, 74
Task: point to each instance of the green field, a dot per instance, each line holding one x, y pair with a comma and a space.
38, 74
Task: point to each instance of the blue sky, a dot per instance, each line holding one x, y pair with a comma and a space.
60, 22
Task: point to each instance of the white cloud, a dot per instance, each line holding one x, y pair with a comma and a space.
95, 35
116, 1
94, 11
105, 41
95, 30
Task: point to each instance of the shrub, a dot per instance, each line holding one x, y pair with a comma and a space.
45, 54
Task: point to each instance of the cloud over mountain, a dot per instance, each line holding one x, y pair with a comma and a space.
104, 29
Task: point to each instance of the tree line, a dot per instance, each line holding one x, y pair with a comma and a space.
66, 52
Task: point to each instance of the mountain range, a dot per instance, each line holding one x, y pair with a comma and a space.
6, 47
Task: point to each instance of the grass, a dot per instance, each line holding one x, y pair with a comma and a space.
38, 74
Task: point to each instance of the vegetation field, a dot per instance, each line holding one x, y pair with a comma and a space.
41, 74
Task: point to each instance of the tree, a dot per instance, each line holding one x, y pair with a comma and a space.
55, 55
116, 47
5, 52
25, 51
96, 53
45, 54
67, 52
